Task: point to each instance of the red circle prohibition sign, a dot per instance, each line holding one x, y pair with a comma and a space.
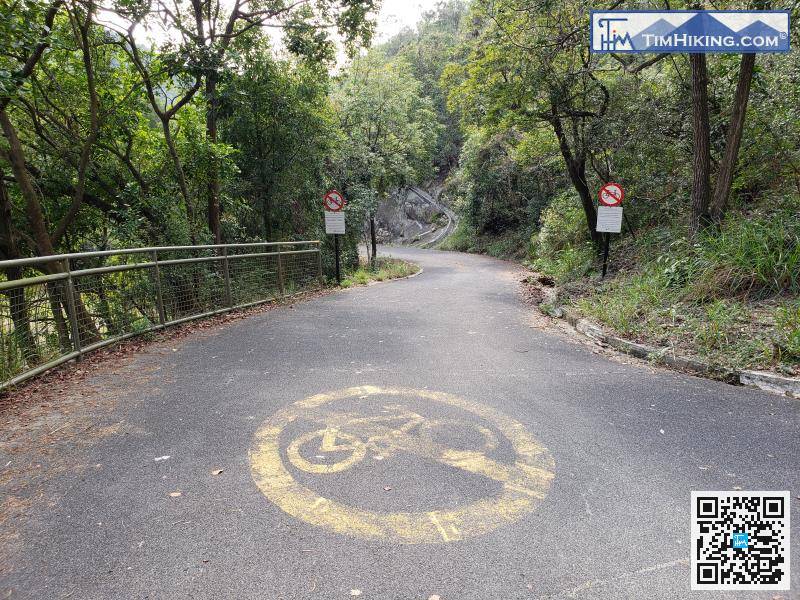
611, 194
333, 201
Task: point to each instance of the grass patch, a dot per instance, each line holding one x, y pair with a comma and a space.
512, 245
730, 298
561, 247
730, 333
385, 268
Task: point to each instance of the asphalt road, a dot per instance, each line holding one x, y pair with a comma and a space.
478, 458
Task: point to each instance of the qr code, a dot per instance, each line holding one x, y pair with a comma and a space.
740, 540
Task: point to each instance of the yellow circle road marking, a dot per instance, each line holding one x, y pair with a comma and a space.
524, 484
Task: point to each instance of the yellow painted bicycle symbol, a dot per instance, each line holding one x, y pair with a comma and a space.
340, 440
350, 436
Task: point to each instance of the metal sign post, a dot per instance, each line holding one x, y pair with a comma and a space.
336, 251
333, 203
609, 215
605, 254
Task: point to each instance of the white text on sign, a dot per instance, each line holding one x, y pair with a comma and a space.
609, 219
334, 223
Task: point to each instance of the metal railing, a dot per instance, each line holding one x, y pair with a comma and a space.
55, 308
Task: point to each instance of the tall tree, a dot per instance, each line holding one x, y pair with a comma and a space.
727, 166
390, 131
701, 138
530, 65
212, 33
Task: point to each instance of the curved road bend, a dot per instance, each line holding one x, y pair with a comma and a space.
480, 458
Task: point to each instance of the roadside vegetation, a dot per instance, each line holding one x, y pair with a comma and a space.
170, 122
708, 262
383, 269
731, 297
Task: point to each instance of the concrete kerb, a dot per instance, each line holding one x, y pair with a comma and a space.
770, 382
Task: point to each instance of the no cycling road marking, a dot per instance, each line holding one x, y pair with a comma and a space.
396, 428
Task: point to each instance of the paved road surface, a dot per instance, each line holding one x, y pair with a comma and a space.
432, 239
479, 458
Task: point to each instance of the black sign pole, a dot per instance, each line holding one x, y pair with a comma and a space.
336, 249
605, 254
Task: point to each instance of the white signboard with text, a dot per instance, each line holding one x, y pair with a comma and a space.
334, 222
609, 219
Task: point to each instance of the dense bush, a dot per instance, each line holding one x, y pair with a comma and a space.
751, 257
561, 247
730, 297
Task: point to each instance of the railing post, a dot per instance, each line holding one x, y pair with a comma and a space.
162, 317
73, 315
319, 265
228, 297
281, 288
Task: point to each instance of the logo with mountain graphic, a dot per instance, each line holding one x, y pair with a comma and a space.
690, 31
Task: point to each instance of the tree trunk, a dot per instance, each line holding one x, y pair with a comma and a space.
18, 304
365, 234
55, 296
373, 240
701, 164
184, 187
35, 216
722, 190
33, 208
212, 104
94, 125
576, 169
266, 212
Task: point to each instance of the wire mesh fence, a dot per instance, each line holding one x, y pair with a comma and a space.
55, 308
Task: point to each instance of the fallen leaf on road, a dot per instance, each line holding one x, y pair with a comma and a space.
217, 471
175, 494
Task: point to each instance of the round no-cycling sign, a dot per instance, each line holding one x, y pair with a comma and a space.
333, 201
611, 194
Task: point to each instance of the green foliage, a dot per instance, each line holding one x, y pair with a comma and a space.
385, 268
389, 128
751, 257
388, 132
561, 248
462, 239
727, 298
278, 117
633, 305
210, 106
428, 51
511, 245
787, 332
